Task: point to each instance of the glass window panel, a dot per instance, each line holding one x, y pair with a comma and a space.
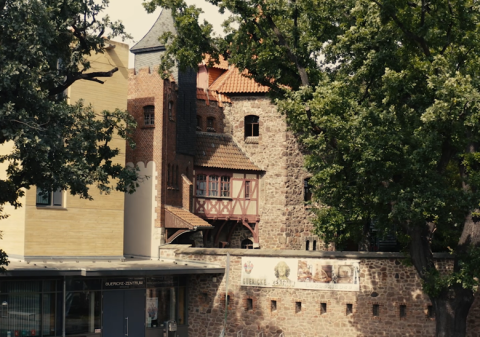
43, 198
49, 315
225, 186
181, 306
82, 312
201, 184
57, 198
213, 186
157, 306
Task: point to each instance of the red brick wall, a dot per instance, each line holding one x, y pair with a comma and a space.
212, 110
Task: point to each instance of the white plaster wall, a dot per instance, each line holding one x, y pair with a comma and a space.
12, 228
141, 237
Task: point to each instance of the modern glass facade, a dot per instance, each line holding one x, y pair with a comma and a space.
74, 306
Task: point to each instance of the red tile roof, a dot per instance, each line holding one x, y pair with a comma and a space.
220, 151
222, 65
232, 81
176, 217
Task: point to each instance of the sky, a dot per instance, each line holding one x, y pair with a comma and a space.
138, 22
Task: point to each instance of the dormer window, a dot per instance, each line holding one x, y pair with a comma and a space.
149, 115
252, 126
210, 124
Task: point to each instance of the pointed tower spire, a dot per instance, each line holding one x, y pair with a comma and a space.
149, 49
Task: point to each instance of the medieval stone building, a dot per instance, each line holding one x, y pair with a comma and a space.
221, 173
213, 146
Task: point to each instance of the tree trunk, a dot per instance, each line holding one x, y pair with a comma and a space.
451, 311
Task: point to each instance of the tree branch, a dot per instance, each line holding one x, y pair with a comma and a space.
71, 78
281, 39
420, 40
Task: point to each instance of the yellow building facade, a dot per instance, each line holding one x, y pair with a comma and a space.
75, 228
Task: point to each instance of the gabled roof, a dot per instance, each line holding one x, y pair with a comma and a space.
180, 218
220, 151
150, 41
232, 81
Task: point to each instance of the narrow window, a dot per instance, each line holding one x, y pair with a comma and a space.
307, 245
210, 124
201, 184
170, 110
298, 307
199, 123
149, 115
349, 309
169, 175
176, 176
225, 186
307, 192
251, 126
430, 312
249, 304
213, 186
247, 189
273, 305
323, 308
376, 310
205, 297
403, 311
314, 245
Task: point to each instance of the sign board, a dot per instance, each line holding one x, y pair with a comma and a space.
299, 273
124, 283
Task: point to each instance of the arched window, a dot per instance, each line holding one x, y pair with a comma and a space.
225, 186
252, 126
307, 245
213, 186
210, 124
201, 184
199, 123
247, 244
149, 115
314, 245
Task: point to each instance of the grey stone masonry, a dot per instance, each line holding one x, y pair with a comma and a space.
284, 218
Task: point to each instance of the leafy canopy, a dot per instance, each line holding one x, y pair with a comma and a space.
44, 48
384, 95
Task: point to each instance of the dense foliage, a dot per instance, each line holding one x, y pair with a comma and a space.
45, 141
384, 95
43, 50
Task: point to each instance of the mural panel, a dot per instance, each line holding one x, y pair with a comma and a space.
321, 274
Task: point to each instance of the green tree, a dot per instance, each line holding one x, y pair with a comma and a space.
43, 50
384, 95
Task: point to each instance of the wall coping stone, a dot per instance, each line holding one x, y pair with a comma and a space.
300, 253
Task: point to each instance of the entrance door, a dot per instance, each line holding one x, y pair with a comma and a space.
124, 313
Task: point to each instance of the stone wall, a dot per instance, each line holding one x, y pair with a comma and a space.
384, 281
284, 222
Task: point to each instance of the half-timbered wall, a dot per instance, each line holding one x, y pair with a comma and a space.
237, 206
